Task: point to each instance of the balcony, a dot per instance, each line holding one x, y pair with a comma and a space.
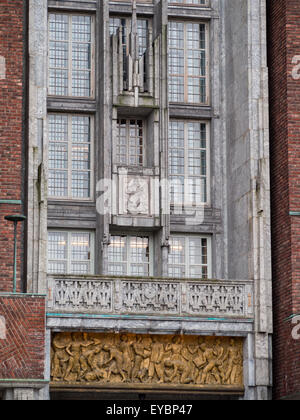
95, 295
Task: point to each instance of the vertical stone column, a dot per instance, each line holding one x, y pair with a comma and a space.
37, 151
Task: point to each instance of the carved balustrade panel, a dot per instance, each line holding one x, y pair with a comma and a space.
146, 360
81, 295
152, 296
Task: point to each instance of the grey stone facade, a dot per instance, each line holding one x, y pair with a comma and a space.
237, 218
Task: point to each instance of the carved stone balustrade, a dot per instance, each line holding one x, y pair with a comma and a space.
166, 297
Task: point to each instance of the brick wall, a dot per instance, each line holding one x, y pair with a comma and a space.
11, 133
22, 337
283, 44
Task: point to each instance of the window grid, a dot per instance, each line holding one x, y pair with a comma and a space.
189, 257
70, 252
188, 63
130, 256
188, 163
130, 142
70, 152
71, 49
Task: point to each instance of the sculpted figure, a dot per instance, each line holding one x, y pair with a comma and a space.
156, 360
96, 362
233, 361
117, 365
60, 356
140, 354
137, 196
126, 348
74, 350
179, 364
211, 361
86, 358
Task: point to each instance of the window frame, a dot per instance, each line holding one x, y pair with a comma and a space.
186, 77
68, 261
116, 162
128, 262
70, 14
187, 264
69, 197
187, 204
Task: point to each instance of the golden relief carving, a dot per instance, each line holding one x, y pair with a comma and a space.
146, 359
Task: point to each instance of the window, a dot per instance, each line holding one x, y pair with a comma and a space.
188, 63
70, 165
70, 252
130, 142
190, 257
188, 162
130, 256
70, 55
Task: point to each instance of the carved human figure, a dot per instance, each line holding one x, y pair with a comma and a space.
176, 361
233, 361
87, 356
140, 354
156, 360
96, 362
60, 357
74, 350
126, 348
115, 362
137, 195
211, 361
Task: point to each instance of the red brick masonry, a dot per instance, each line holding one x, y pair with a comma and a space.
283, 49
22, 352
11, 133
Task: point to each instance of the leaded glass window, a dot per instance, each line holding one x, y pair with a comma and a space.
70, 252
70, 163
70, 55
189, 257
188, 62
188, 162
129, 256
130, 142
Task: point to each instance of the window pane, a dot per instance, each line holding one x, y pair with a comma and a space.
70, 55
130, 143
58, 155
117, 256
81, 157
188, 257
177, 257
129, 256
58, 54
187, 62
188, 162
69, 253
57, 252
69, 156
80, 253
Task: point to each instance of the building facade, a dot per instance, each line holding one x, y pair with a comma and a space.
148, 196
283, 27
22, 315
